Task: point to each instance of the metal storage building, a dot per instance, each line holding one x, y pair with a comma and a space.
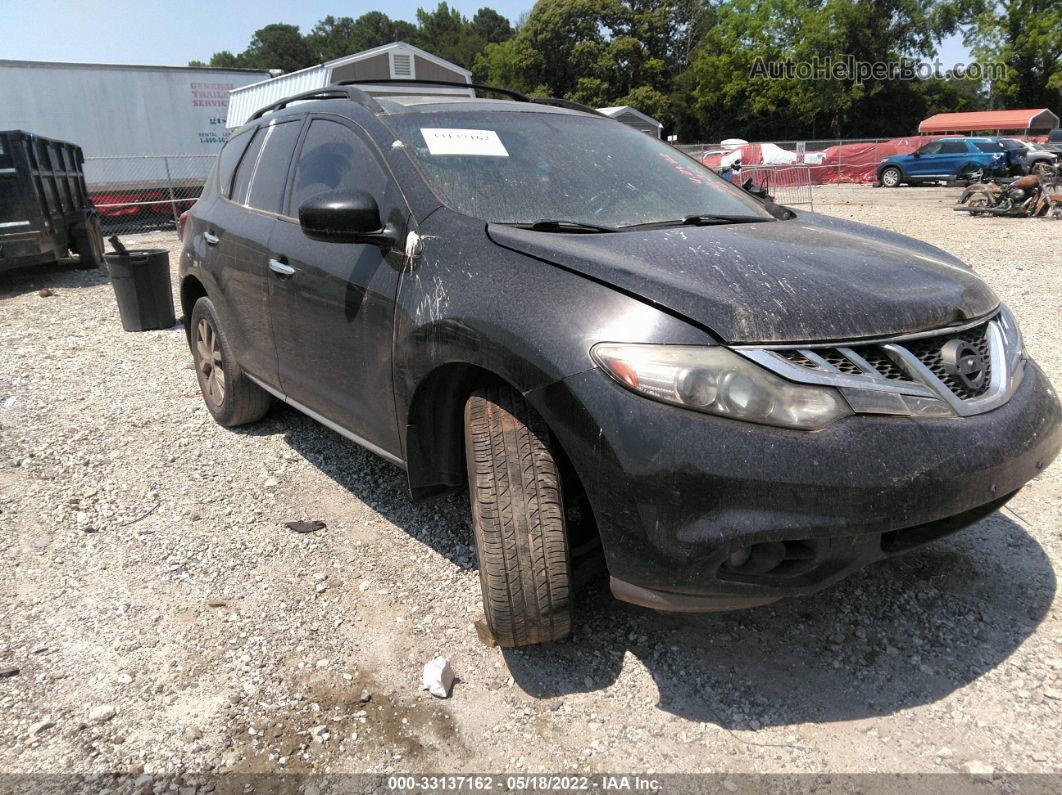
395, 61
634, 118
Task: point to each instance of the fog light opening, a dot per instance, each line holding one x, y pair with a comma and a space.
757, 559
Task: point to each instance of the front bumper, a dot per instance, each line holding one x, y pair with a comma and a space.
675, 493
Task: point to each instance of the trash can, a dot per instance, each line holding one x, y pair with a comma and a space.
141, 282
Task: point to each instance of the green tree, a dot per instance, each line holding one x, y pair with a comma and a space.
1026, 37
226, 60
732, 97
491, 27
278, 46
331, 38
375, 28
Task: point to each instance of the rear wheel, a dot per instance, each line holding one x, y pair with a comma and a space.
981, 205
971, 173
88, 243
518, 519
891, 177
230, 396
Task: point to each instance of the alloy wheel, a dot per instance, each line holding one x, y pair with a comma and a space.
209, 362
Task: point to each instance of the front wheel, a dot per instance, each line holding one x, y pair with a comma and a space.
230, 396
518, 519
891, 177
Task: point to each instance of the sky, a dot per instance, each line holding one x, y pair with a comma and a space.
169, 33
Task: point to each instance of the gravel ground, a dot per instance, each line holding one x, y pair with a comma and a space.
162, 618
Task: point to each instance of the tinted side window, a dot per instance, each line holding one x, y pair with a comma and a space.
229, 157
986, 146
953, 147
246, 168
929, 149
271, 173
333, 157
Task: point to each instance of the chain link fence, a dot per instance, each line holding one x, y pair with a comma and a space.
144, 193
831, 160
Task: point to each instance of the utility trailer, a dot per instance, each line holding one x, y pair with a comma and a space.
45, 211
149, 133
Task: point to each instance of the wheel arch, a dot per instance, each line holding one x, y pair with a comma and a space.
884, 166
191, 291
435, 433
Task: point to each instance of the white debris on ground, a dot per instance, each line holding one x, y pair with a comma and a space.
438, 677
196, 614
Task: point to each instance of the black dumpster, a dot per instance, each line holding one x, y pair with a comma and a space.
141, 282
45, 210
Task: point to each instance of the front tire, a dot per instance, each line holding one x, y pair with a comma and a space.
891, 177
518, 519
230, 396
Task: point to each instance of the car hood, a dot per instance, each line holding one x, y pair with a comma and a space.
813, 278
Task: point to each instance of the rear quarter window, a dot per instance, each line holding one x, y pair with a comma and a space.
245, 170
227, 160
988, 146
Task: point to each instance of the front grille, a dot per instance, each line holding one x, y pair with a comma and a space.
880, 361
928, 352
907, 375
876, 360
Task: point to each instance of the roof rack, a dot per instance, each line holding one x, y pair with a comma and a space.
569, 104
338, 91
448, 83
553, 101
347, 89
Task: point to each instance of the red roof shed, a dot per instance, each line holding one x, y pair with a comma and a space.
990, 121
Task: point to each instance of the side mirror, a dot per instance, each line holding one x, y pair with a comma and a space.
916, 154
345, 216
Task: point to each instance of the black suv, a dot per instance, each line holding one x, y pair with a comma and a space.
616, 350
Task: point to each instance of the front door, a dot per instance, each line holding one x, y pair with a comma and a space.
333, 314
926, 163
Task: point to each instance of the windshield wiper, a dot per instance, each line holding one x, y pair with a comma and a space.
703, 220
550, 225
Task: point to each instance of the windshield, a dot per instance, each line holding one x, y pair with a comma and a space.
517, 167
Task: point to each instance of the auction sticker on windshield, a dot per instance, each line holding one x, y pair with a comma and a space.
449, 141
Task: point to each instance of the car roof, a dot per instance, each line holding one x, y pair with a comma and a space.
414, 103
428, 103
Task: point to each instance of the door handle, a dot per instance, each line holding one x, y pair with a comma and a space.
281, 268
211, 239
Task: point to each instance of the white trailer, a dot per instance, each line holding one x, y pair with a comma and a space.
148, 133
394, 61
121, 111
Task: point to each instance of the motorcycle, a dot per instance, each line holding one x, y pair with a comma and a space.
1023, 197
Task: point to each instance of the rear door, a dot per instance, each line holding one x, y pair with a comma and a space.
333, 314
953, 156
243, 223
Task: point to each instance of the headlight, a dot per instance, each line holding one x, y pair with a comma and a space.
717, 381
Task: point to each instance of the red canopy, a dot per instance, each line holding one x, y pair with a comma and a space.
1038, 119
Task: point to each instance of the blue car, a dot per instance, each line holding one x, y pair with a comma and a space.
946, 159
